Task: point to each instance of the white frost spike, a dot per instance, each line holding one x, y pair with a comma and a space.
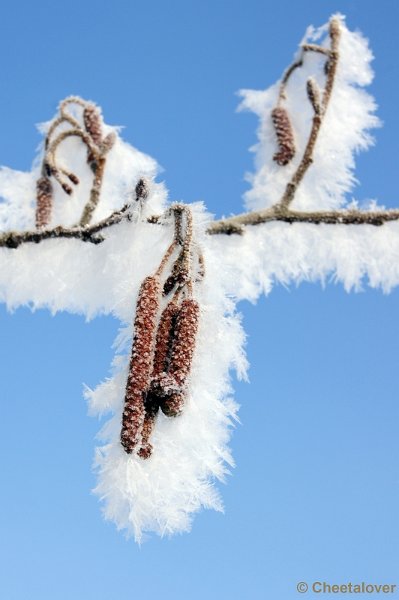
345, 130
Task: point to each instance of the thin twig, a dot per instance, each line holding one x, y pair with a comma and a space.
307, 159
237, 223
232, 225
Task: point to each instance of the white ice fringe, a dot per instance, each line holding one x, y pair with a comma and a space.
345, 129
191, 451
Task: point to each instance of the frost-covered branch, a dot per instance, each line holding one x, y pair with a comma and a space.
232, 225
181, 334
237, 223
319, 104
89, 130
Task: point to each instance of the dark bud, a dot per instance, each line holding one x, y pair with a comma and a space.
142, 190
73, 178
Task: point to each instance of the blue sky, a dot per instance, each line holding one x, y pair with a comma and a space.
314, 495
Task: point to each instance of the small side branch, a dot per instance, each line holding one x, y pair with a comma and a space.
319, 106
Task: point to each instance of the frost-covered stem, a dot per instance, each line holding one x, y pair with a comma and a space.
279, 213
318, 117
94, 193
13, 239
97, 147
236, 224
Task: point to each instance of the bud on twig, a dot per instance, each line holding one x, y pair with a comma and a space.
314, 95
73, 178
141, 189
285, 136
107, 143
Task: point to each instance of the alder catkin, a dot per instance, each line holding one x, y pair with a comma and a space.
44, 201
164, 338
172, 406
184, 340
151, 409
181, 356
92, 123
285, 136
140, 362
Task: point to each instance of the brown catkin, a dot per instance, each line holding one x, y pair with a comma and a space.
172, 406
44, 201
173, 356
92, 123
285, 136
164, 340
151, 409
181, 356
140, 362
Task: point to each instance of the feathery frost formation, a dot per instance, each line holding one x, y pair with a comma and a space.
345, 131
190, 452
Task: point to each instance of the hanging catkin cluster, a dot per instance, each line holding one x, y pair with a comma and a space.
163, 344
285, 136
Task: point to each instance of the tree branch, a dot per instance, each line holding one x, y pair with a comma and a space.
98, 147
232, 225
319, 110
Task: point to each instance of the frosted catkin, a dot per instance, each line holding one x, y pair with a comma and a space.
164, 339
182, 354
44, 201
285, 136
140, 362
92, 123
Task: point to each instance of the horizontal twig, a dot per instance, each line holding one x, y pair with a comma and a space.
232, 225
280, 213
91, 233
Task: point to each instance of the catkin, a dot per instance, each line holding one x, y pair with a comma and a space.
151, 410
92, 123
164, 339
181, 356
285, 136
184, 341
44, 201
140, 363
172, 406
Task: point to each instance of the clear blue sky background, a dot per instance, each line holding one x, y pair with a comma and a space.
315, 492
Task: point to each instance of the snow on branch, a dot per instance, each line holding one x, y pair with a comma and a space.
89, 130
169, 393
